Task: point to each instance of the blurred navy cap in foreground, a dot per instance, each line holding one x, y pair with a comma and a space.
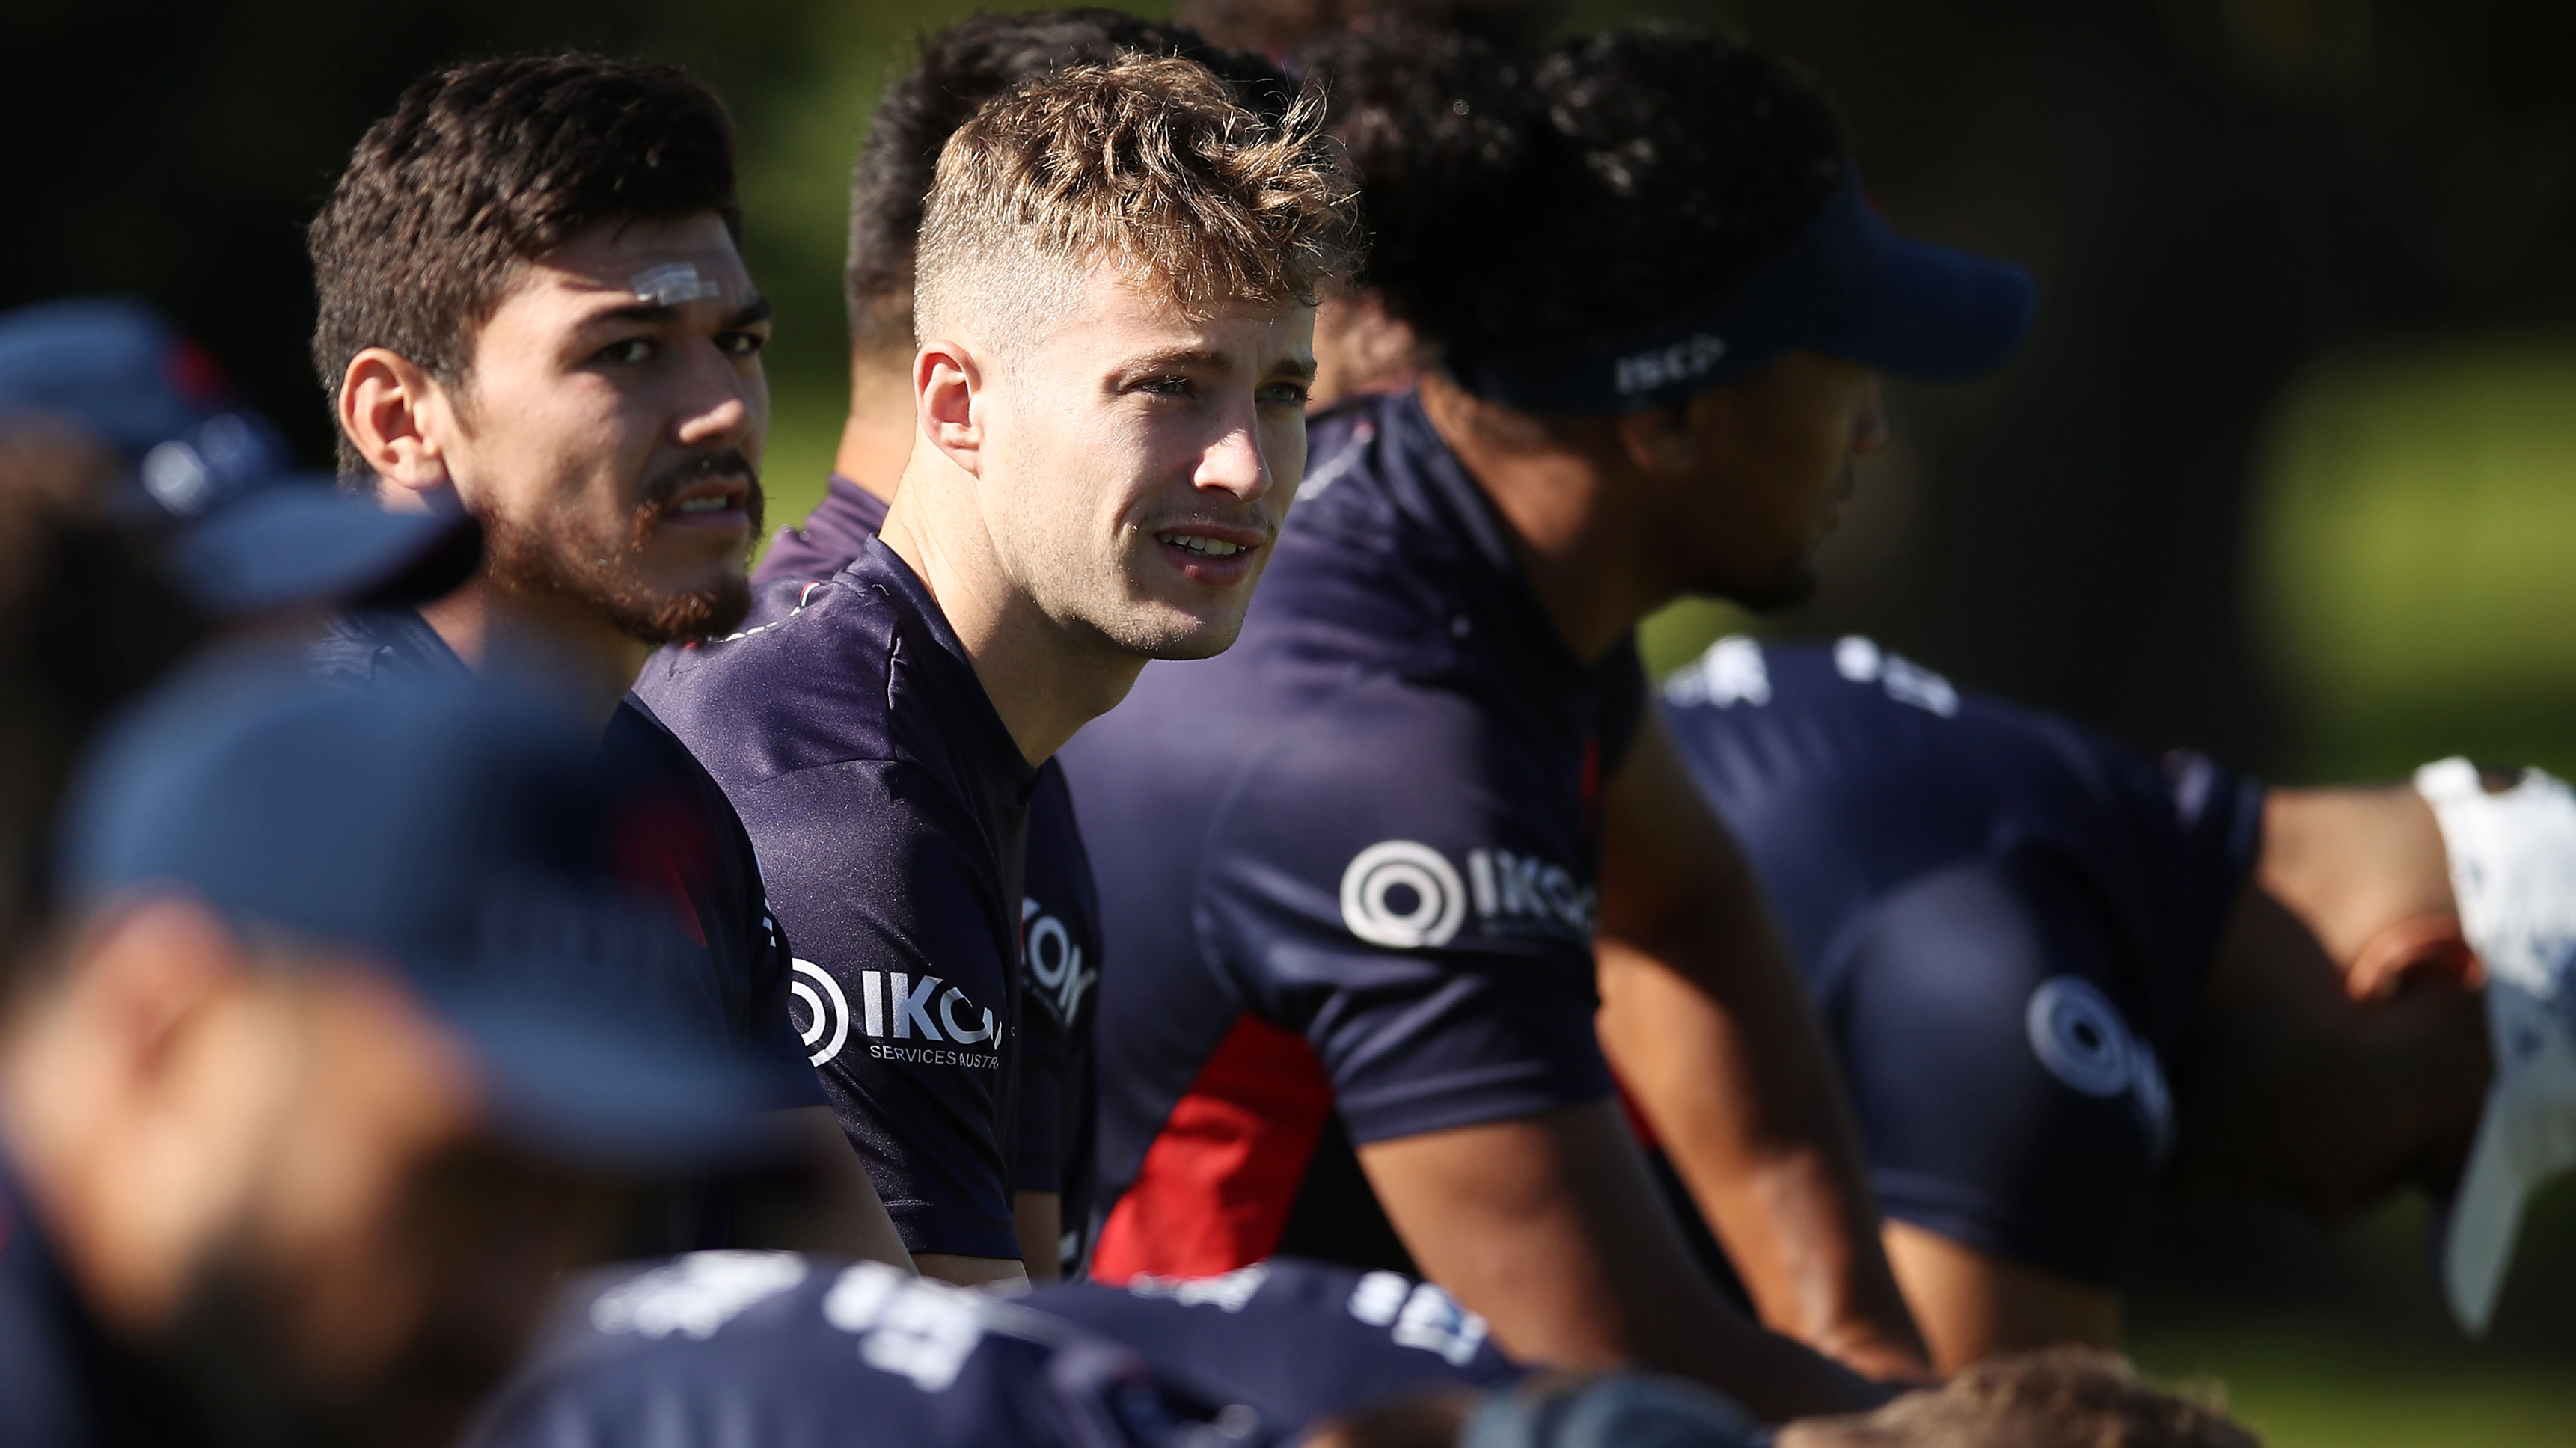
254, 534
458, 836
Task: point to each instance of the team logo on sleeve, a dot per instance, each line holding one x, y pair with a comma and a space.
908, 1018
1403, 895
2083, 1041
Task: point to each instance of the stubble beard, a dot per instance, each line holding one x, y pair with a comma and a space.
607, 575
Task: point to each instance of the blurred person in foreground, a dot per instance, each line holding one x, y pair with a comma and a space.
143, 509
695, 1352
959, 69
534, 310
1374, 874
2059, 974
1117, 274
351, 1026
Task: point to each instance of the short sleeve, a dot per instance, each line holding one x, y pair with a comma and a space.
2006, 1101
901, 989
1418, 905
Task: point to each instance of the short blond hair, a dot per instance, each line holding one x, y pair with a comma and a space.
1147, 163
2059, 1397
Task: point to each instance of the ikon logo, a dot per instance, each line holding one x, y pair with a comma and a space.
1406, 895
892, 1005
1055, 967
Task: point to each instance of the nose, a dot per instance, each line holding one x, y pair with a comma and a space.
1234, 462
1869, 420
723, 400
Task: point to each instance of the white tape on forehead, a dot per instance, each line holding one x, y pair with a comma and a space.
672, 283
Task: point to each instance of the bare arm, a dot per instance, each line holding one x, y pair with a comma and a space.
1973, 1305
1549, 1226
1708, 1024
1038, 1218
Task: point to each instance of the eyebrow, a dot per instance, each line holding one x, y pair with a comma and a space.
1301, 368
758, 309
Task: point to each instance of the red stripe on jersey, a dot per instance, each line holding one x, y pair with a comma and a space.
1219, 1179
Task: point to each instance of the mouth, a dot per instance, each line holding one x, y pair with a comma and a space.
1211, 554
714, 503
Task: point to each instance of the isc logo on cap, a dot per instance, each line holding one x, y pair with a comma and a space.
1680, 362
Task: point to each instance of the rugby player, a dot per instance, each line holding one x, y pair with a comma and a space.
1350, 867
959, 69
1116, 276
724, 1338
351, 1023
2058, 973
533, 308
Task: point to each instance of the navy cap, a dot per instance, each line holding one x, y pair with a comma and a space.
256, 534
459, 835
1848, 285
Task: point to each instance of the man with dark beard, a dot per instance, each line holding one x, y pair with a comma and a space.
533, 307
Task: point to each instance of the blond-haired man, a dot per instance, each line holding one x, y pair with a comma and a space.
1118, 267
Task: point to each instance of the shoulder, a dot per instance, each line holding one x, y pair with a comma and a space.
802, 1347
806, 687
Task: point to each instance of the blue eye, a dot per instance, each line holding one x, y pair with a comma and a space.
1286, 394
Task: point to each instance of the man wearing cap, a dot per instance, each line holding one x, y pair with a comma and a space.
354, 1022
1355, 869
249, 534
2058, 974
534, 311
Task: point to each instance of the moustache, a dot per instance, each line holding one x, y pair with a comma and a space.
723, 465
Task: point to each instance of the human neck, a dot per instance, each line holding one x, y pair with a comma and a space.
2354, 864
554, 642
1044, 679
876, 442
1586, 560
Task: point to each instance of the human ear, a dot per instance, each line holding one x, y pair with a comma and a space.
1662, 442
945, 379
2424, 948
394, 414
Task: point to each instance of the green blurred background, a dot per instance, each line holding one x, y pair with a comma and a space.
2288, 473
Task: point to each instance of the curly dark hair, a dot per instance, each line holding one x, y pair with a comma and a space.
962, 67
487, 165
1619, 178
1440, 128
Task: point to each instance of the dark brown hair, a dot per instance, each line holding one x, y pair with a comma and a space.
485, 166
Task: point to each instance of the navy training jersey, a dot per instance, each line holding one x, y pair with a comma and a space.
1060, 913
727, 1349
1295, 1341
673, 819
889, 806
1347, 868
2005, 922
